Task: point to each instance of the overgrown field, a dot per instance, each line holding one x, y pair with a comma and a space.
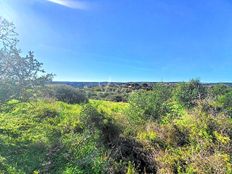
158, 131
54, 137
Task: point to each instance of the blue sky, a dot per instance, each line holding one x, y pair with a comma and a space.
127, 40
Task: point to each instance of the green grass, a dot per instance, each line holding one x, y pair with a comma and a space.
30, 132
55, 137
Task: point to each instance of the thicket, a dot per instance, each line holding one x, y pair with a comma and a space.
65, 93
187, 128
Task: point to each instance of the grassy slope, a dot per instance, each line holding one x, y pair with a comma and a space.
30, 133
46, 137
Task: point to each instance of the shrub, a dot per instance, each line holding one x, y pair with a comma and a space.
94, 121
90, 118
149, 104
67, 94
226, 103
118, 98
42, 113
218, 90
227, 100
188, 93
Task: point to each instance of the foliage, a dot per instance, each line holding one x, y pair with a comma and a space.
130, 169
20, 77
218, 90
225, 102
149, 105
222, 103
147, 135
188, 93
66, 94
118, 92
8, 36
153, 133
46, 137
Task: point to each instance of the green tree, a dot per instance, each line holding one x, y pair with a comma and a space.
189, 93
20, 76
149, 104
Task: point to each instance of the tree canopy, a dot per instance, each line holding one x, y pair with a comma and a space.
20, 76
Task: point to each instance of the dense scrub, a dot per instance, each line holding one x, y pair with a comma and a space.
170, 129
65, 93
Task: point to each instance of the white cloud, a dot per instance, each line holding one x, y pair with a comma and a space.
71, 4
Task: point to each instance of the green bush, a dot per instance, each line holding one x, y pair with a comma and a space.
90, 118
118, 98
67, 94
93, 121
218, 90
226, 103
189, 93
152, 105
227, 100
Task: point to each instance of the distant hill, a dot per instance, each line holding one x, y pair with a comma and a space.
94, 84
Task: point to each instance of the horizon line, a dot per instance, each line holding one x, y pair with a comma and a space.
133, 81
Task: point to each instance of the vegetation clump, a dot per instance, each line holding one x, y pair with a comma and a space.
189, 93
66, 94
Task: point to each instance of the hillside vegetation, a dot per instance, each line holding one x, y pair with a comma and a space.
181, 129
